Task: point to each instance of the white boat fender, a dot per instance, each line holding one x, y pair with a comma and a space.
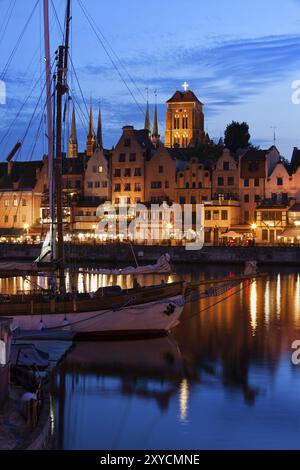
43, 326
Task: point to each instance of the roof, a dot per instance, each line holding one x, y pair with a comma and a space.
142, 136
74, 166
184, 97
295, 161
22, 176
254, 154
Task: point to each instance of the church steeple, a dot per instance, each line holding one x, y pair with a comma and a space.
73, 143
91, 140
155, 134
99, 131
147, 126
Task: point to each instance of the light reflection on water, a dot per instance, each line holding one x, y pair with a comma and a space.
223, 380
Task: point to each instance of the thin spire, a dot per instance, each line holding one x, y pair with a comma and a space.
73, 135
91, 134
147, 119
99, 130
155, 126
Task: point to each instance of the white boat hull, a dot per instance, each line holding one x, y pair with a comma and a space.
144, 319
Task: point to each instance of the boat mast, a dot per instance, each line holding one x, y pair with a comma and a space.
61, 89
49, 122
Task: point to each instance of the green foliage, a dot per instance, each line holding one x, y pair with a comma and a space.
237, 136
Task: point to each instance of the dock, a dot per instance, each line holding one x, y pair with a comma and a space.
56, 343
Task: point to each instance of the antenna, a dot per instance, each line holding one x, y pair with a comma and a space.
274, 134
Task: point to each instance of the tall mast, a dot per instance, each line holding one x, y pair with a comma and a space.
61, 89
49, 119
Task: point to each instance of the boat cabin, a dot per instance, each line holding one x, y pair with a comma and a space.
5, 343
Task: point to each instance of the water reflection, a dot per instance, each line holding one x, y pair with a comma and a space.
223, 380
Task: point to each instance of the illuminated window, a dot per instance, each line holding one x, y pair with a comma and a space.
100, 169
15, 202
6, 203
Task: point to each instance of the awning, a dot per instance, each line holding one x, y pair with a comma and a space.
231, 234
6, 232
290, 233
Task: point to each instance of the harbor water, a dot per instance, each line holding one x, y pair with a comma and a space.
224, 379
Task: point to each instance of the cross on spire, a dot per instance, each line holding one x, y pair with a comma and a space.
185, 86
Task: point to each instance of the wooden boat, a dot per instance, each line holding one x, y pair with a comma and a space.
153, 310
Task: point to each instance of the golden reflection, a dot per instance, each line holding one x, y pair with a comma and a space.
278, 296
297, 301
267, 303
184, 400
253, 307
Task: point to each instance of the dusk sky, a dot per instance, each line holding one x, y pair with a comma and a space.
240, 61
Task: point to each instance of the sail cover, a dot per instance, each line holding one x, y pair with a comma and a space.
162, 266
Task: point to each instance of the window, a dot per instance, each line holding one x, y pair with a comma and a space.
90, 185
100, 169
6, 219
220, 181
230, 181
132, 157
127, 173
94, 169
15, 218
207, 215
246, 216
226, 166
176, 122
279, 181
285, 196
274, 197
185, 122
117, 188
187, 185
167, 184
15, 202
194, 185
199, 185
117, 173
138, 172
122, 157
182, 200
97, 184
246, 183
256, 182
160, 169
257, 198
193, 200
127, 142
6, 203
264, 235
215, 215
24, 202
127, 187
204, 198
23, 218
78, 184
138, 187
104, 184
117, 200
246, 198
156, 185
224, 215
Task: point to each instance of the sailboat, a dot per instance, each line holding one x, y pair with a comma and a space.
110, 311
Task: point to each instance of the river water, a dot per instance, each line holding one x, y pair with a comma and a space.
223, 380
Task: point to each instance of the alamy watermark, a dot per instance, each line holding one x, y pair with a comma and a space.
296, 353
157, 223
2, 93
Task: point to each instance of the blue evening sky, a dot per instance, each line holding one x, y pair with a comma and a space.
240, 58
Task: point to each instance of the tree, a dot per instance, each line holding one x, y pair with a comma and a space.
237, 136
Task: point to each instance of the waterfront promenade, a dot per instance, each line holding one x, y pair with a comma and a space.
95, 253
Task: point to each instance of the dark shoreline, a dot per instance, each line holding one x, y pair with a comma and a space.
119, 254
